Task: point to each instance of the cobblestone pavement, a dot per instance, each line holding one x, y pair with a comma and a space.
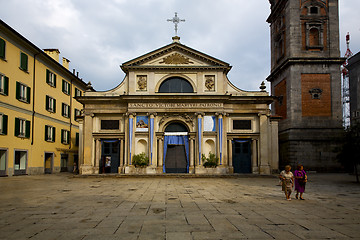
62, 207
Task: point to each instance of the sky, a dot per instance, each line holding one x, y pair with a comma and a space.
98, 36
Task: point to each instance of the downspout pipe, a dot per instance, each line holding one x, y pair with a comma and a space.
33, 101
70, 122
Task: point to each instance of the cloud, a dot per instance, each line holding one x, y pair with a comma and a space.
98, 36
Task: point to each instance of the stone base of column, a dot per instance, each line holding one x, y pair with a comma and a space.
191, 170
231, 170
121, 170
264, 169
88, 169
159, 170
255, 170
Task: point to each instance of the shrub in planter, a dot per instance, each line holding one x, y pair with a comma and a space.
140, 160
211, 161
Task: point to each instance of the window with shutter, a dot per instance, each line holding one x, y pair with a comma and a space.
17, 127
50, 78
23, 61
65, 112
2, 48
77, 92
4, 85
50, 104
27, 129
49, 133
22, 92
22, 128
65, 137
77, 113
3, 124
65, 87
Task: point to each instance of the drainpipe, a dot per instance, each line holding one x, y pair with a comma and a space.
70, 122
33, 103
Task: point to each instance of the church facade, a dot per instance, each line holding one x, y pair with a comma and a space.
177, 107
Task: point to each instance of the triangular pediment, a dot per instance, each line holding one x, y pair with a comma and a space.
173, 56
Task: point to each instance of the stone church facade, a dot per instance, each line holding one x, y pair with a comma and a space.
176, 105
305, 78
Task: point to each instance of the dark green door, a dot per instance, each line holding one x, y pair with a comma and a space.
175, 161
242, 156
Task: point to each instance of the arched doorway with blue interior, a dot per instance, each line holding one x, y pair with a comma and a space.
176, 148
110, 156
241, 155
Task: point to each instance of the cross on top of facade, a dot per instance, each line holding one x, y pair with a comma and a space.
176, 20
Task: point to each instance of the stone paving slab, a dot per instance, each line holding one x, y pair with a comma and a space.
176, 207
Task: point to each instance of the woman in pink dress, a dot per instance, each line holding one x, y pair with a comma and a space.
300, 181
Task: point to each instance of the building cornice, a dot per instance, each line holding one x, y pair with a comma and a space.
293, 61
35, 50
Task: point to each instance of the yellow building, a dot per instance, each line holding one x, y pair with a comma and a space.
38, 129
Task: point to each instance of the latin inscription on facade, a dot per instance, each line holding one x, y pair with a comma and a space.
175, 105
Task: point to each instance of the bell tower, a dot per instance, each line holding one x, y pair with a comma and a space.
305, 78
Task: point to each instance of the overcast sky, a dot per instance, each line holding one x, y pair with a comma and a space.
98, 36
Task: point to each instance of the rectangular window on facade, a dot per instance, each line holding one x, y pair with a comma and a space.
78, 92
50, 78
23, 62
66, 87
4, 85
50, 133
3, 124
65, 136
110, 124
2, 48
242, 124
77, 113
22, 92
50, 104
22, 128
65, 110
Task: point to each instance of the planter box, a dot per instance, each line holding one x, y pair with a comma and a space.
211, 171
140, 170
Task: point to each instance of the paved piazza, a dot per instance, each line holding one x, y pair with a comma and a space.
63, 207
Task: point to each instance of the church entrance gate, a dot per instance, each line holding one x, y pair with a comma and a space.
175, 160
176, 148
110, 157
241, 155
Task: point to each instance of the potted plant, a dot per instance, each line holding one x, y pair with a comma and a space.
140, 160
211, 161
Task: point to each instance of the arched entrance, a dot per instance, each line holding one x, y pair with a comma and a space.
176, 148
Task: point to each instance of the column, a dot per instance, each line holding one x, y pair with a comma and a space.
97, 152
191, 152
220, 137
160, 151
152, 161
199, 136
264, 145
86, 167
130, 134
